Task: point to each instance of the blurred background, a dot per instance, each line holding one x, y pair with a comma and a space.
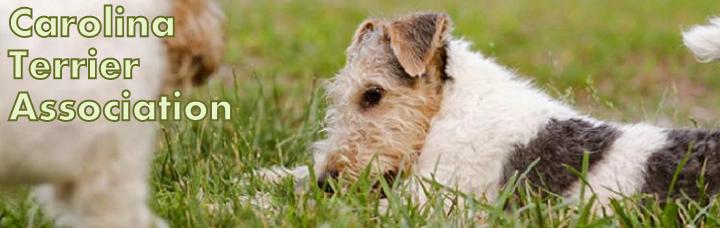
626, 55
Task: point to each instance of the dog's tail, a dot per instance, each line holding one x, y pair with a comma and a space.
704, 40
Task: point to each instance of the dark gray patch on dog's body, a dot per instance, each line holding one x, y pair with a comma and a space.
703, 146
560, 142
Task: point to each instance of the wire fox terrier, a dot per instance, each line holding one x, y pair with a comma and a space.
413, 99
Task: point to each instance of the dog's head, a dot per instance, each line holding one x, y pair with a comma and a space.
196, 50
382, 101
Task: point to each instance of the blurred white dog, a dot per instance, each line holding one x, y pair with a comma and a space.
95, 174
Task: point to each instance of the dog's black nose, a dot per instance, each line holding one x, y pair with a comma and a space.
323, 180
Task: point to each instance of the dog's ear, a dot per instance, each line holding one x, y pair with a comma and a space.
365, 27
416, 38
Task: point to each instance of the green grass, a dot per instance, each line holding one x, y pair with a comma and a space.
620, 60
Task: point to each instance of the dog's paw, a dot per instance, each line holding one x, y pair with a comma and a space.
277, 174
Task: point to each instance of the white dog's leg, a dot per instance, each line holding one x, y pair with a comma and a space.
111, 191
96, 204
54, 202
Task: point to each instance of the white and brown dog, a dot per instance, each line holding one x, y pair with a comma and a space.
95, 174
414, 99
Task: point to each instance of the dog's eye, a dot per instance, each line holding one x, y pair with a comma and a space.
372, 96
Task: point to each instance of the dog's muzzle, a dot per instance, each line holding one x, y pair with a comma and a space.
324, 179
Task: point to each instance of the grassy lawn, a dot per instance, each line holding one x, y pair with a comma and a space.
619, 60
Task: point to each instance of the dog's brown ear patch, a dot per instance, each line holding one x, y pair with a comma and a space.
416, 38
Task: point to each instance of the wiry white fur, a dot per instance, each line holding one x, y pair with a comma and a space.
91, 174
486, 111
704, 40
